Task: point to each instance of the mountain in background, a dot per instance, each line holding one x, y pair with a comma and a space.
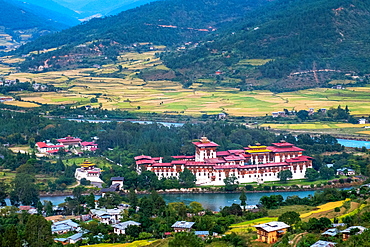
21, 24
302, 44
98, 8
166, 22
50, 10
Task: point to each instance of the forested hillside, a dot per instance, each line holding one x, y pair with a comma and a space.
298, 36
23, 24
165, 22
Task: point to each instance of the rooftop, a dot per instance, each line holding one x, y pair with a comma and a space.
183, 224
272, 226
322, 243
124, 225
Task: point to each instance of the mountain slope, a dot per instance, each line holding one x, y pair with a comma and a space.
302, 38
49, 10
165, 22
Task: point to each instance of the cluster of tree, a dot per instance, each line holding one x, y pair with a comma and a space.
332, 114
320, 197
24, 229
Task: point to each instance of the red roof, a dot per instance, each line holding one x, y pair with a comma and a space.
88, 144
205, 144
162, 164
238, 151
69, 139
275, 149
179, 162
233, 157
298, 159
198, 163
93, 149
184, 157
157, 158
217, 160
44, 145
222, 153
283, 144
263, 165
140, 162
41, 144
226, 167
92, 172
25, 207
143, 157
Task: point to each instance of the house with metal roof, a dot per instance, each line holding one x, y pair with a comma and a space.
120, 228
107, 216
271, 231
352, 231
322, 243
182, 226
64, 226
332, 232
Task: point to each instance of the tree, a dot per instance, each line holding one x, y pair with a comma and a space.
311, 174
38, 232
284, 175
10, 238
187, 178
196, 207
3, 194
290, 217
25, 191
133, 231
231, 183
326, 172
243, 199
185, 239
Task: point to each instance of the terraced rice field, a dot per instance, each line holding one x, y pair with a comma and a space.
134, 94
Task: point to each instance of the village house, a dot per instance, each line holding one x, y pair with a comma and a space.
322, 243
107, 216
69, 141
256, 163
362, 121
270, 232
89, 146
353, 230
332, 232
182, 226
346, 172
64, 227
47, 147
120, 228
4, 99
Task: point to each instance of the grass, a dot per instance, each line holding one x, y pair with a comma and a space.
298, 208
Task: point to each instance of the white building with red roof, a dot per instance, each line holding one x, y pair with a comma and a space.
43, 147
70, 141
89, 146
252, 164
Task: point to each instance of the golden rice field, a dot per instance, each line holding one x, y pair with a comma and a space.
323, 208
163, 96
248, 225
138, 243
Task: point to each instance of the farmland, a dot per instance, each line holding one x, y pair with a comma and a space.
124, 89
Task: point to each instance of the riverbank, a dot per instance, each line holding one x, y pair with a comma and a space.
214, 190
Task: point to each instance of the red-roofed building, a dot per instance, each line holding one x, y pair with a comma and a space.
70, 141
46, 148
88, 146
254, 164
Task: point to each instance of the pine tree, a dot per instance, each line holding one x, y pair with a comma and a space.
243, 199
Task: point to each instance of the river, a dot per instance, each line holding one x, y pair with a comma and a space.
354, 143
212, 201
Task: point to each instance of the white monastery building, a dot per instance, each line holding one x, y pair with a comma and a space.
252, 164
